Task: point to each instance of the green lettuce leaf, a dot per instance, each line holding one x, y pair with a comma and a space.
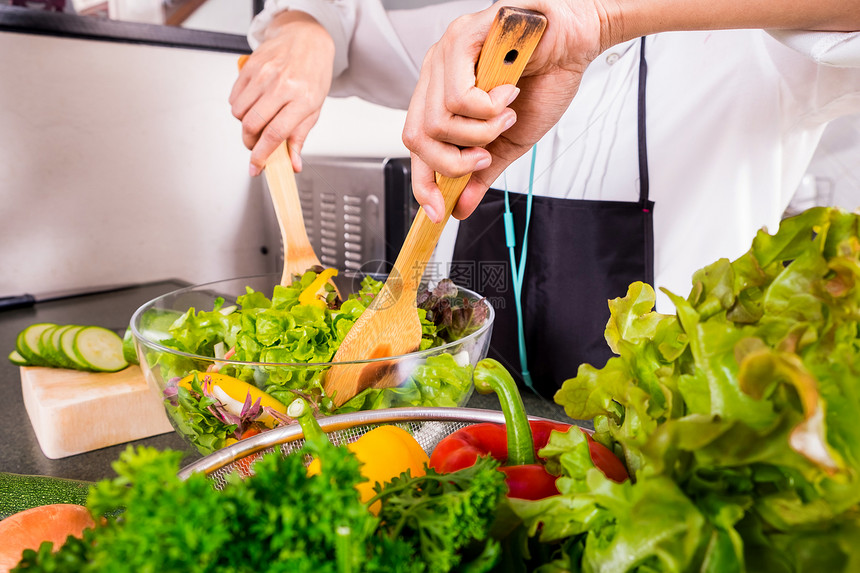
736, 416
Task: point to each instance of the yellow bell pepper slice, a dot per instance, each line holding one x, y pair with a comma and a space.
385, 452
237, 390
309, 295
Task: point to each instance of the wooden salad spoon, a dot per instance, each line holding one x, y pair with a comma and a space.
299, 255
390, 326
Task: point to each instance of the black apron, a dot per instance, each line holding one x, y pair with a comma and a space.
581, 254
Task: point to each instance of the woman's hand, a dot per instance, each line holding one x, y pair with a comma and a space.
454, 128
282, 87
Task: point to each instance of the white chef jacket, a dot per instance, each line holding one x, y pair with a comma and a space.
733, 118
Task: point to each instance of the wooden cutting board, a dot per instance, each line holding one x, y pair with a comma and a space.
74, 412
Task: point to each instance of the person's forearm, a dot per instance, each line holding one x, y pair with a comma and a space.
628, 19
336, 17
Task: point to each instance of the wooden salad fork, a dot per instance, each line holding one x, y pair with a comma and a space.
299, 255
390, 326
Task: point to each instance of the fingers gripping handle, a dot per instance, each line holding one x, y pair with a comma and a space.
510, 43
509, 46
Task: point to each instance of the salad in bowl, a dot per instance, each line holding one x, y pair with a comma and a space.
228, 357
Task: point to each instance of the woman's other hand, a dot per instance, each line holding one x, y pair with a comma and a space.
282, 86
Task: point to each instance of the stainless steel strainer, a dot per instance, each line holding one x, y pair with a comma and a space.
427, 425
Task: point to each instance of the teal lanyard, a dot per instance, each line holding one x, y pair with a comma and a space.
518, 270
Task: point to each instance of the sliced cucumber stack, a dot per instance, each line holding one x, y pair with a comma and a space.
91, 348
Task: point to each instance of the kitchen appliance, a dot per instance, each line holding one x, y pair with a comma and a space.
357, 210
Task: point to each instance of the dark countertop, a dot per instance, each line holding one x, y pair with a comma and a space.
19, 450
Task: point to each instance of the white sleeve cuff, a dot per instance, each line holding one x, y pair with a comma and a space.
336, 16
840, 49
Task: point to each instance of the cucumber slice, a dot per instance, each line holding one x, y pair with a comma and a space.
129, 352
16, 359
45, 346
55, 348
67, 347
100, 349
27, 343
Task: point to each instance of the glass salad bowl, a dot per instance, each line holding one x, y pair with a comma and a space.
227, 357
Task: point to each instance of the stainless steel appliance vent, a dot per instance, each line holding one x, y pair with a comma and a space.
357, 210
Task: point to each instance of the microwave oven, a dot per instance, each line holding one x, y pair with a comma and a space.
357, 210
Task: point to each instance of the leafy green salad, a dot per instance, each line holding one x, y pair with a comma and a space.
738, 418
297, 336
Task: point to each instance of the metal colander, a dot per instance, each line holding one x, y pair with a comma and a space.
427, 425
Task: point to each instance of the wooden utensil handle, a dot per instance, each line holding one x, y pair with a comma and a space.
281, 179
285, 195
509, 45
